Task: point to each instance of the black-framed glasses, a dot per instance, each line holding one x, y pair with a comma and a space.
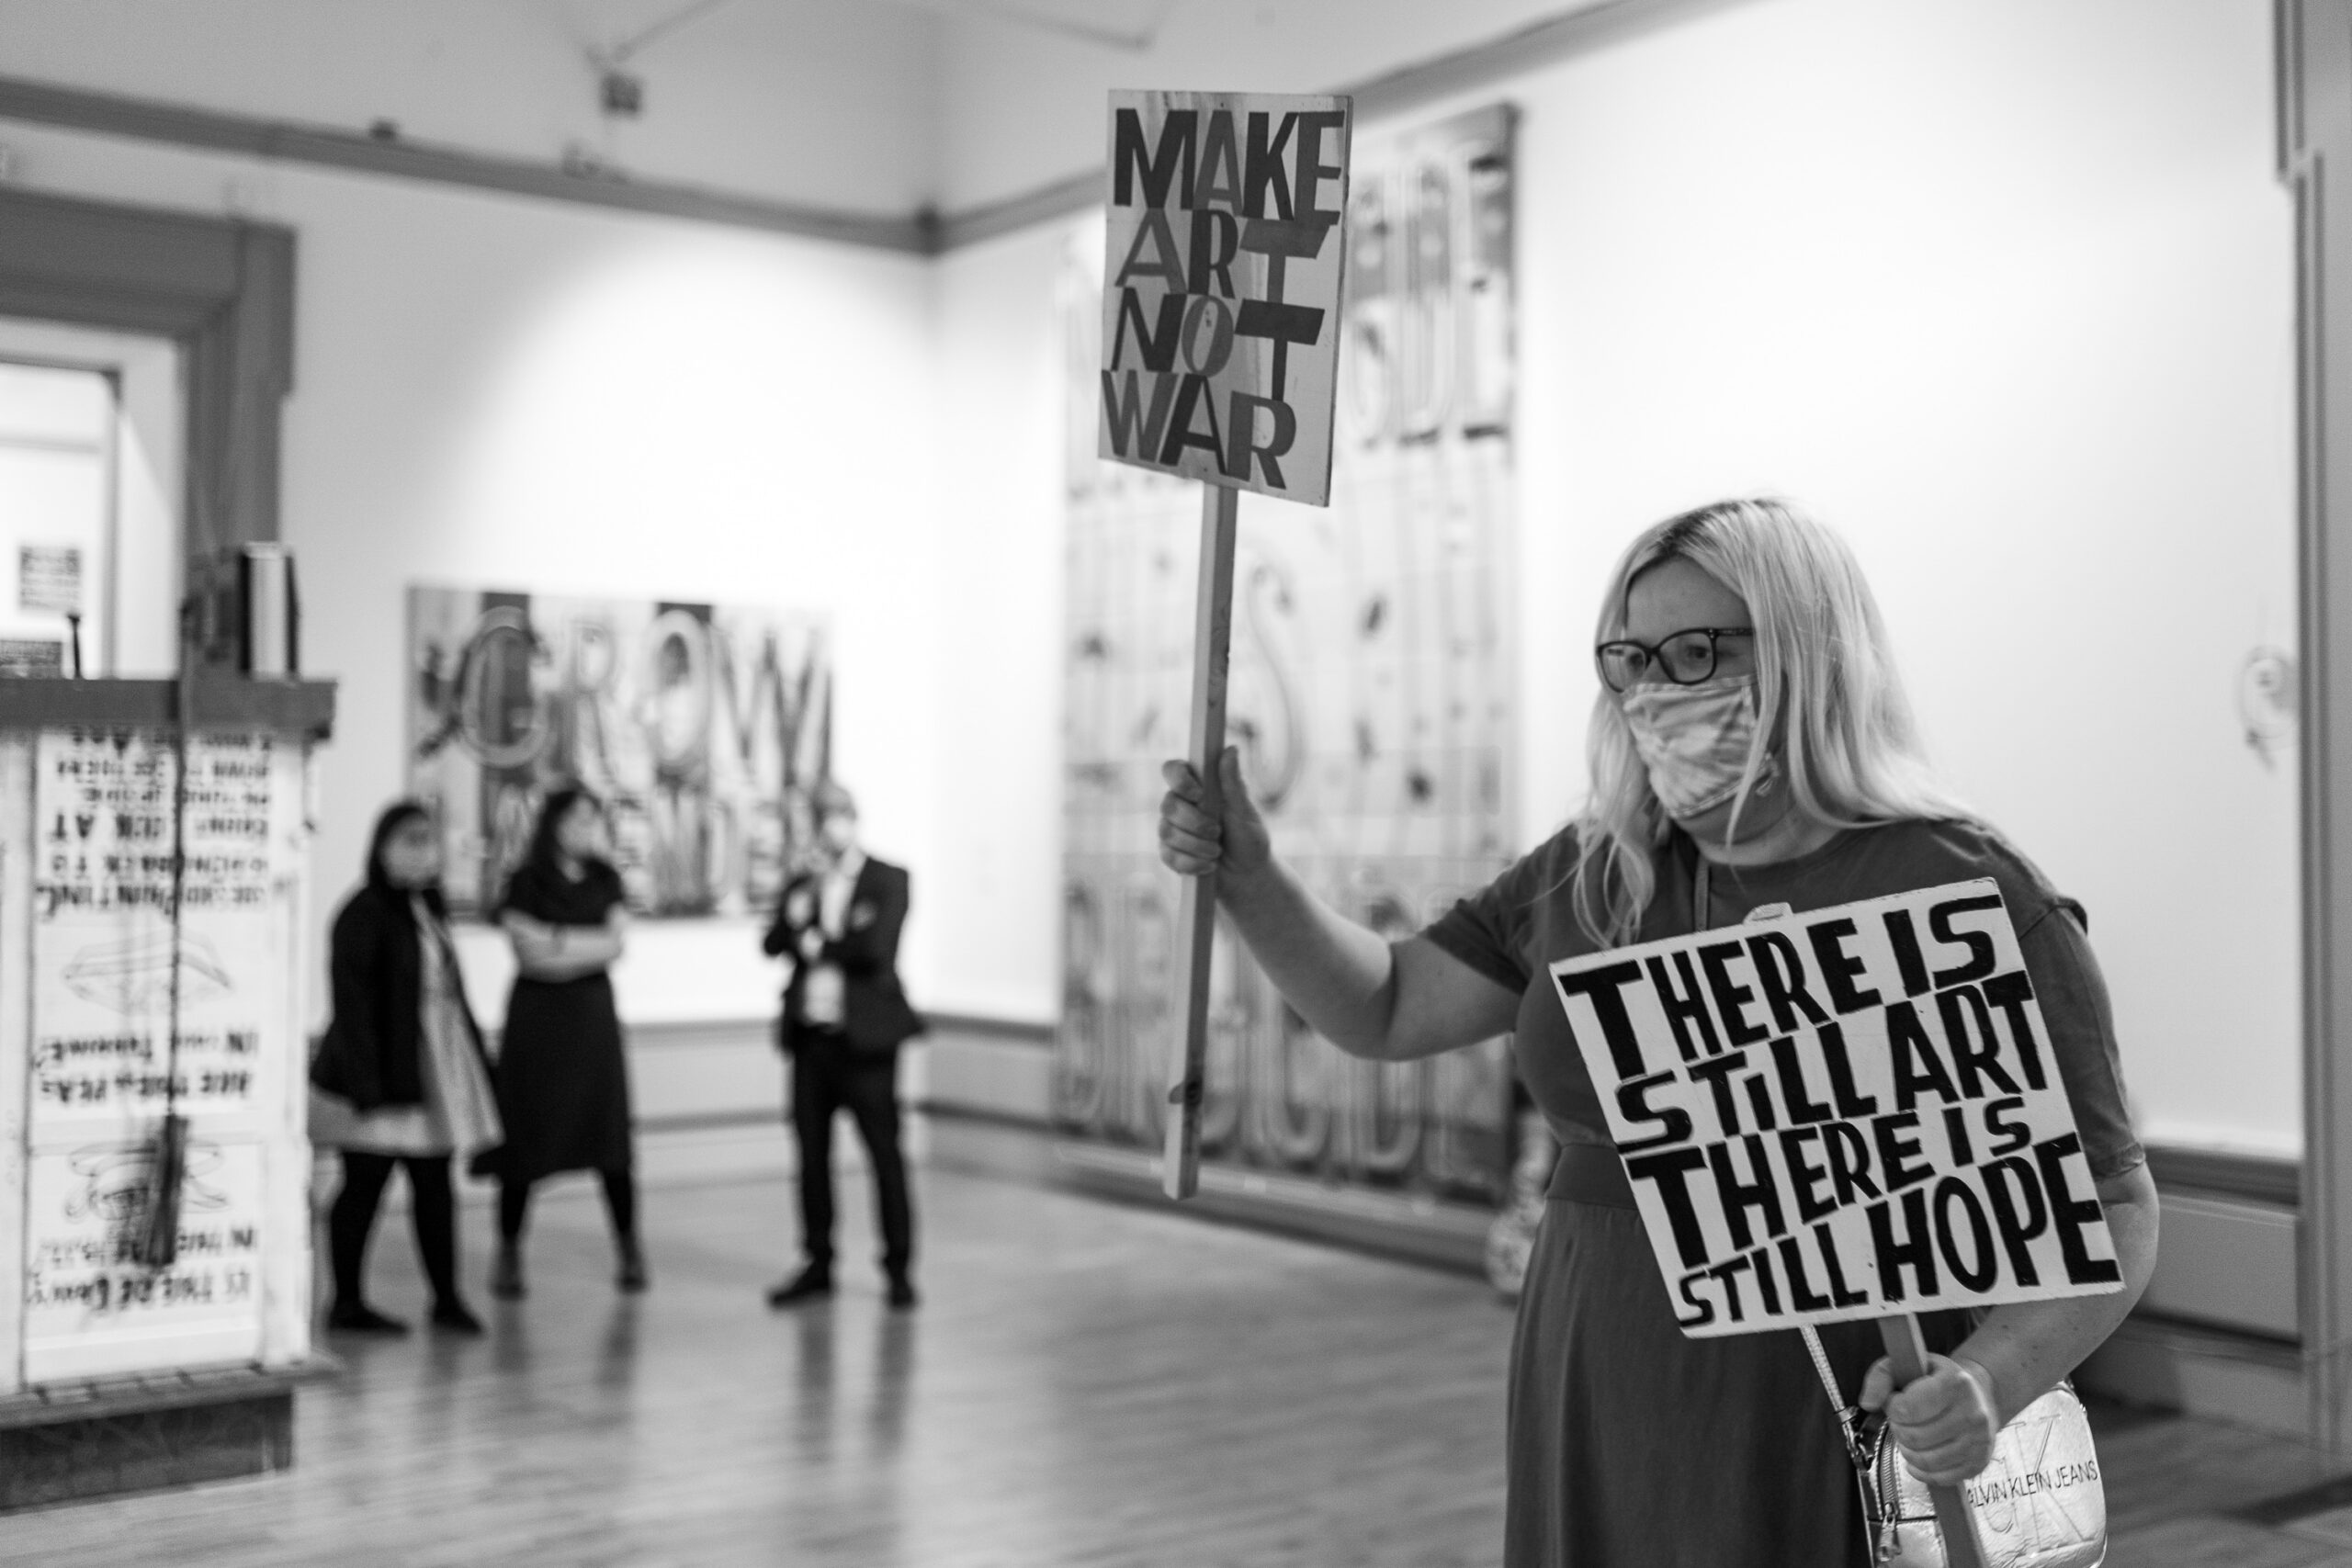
1686, 657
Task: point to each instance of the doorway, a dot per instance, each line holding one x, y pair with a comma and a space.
90, 496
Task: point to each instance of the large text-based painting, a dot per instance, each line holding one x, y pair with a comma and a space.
1370, 694
703, 727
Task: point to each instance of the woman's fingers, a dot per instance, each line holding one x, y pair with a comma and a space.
1196, 839
1191, 838
1948, 1464
1944, 1423
1177, 815
1198, 835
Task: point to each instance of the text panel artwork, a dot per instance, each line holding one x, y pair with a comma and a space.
1221, 301
92, 1307
704, 729
1850, 1114
111, 965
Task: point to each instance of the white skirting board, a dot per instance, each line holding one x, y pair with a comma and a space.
2165, 1366
2227, 1264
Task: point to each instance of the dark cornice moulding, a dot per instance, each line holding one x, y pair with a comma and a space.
924, 233
107, 114
1481, 66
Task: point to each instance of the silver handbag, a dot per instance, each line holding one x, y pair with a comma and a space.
2039, 1503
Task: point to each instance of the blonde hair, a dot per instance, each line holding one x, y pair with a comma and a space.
1827, 695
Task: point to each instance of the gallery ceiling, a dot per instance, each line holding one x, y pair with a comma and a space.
870, 105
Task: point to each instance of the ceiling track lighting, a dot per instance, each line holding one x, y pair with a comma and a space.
1136, 41
622, 96
621, 93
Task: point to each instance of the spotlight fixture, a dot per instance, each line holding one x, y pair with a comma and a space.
624, 95
621, 93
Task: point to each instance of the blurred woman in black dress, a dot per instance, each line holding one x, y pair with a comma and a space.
399, 1079
562, 1085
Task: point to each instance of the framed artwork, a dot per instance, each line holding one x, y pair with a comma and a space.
703, 727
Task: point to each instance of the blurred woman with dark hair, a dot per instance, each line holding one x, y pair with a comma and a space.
562, 1085
400, 1075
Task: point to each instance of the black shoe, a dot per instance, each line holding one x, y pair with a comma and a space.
632, 1277
807, 1284
903, 1292
507, 1275
452, 1316
359, 1317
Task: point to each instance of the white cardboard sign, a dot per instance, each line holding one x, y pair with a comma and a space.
49, 578
1221, 287
103, 948
1850, 1114
91, 1308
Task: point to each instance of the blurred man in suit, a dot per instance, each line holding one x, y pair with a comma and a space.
846, 1016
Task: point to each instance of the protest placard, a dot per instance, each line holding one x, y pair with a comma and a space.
1851, 1114
93, 1306
49, 578
1221, 296
1227, 250
105, 1058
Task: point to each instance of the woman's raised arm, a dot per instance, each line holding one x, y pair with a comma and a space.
1389, 1002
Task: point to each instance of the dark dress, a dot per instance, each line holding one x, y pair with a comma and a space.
562, 1084
1631, 1446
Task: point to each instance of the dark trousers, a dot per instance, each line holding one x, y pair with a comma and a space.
830, 1075
432, 1207
620, 1204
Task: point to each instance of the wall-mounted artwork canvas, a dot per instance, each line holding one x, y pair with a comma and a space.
1371, 694
704, 727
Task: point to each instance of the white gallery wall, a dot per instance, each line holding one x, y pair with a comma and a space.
500, 392
2003, 287
2004, 290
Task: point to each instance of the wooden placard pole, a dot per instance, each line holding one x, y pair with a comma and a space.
1197, 907
1223, 283
1907, 1356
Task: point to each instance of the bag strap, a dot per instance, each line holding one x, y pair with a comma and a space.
1850, 1417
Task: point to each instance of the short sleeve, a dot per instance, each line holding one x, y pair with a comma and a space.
1491, 930
2074, 1009
539, 893
610, 894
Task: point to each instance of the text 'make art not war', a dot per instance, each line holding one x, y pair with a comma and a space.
1221, 299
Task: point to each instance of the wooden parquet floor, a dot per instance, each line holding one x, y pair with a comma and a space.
1085, 1386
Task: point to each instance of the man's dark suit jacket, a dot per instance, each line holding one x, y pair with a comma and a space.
875, 1012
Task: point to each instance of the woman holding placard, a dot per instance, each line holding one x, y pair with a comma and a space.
1750, 746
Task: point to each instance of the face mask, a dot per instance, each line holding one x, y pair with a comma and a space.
1694, 741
